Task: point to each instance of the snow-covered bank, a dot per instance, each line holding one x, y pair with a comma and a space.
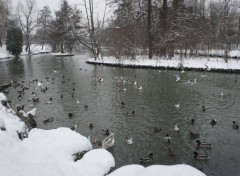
215, 53
50, 152
62, 54
188, 63
35, 49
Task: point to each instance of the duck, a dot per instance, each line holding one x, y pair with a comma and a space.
198, 156
168, 138
190, 121
123, 104
156, 129
90, 125
130, 113
177, 77
105, 132
213, 122
86, 107
35, 100
135, 83
70, 115
203, 144
235, 125
129, 140
51, 119
171, 153
73, 127
146, 159
108, 141
139, 88
194, 134
96, 141
176, 128
177, 105
203, 108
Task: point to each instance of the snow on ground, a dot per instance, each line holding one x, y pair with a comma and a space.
4, 53
50, 153
35, 49
176, 62
62, 54
157, 170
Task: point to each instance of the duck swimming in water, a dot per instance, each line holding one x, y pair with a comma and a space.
203, 144
108, 141
198, 156
130, 113
214, 122
105, 132
235, 125
129, 140
168, 138
190, 121
146, 159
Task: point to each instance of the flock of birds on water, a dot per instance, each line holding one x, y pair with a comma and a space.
36, 87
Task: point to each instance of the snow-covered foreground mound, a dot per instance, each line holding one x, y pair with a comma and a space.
157, 170
50, 153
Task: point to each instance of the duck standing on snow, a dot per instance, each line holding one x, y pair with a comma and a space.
146, 159
108, 141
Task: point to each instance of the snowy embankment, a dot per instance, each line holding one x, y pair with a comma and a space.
188, 63
35, 49
50, 152
215, 53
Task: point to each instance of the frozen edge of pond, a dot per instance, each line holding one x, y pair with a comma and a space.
176, 63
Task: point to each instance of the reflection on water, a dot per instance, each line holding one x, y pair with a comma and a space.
154, 106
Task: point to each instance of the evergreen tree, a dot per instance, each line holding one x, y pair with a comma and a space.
14, 40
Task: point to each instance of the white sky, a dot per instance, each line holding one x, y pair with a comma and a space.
54, 5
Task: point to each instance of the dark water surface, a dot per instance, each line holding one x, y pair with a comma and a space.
154, 106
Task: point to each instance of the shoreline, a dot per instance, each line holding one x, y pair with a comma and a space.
173, 64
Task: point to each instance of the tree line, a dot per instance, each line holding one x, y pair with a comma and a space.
153, 27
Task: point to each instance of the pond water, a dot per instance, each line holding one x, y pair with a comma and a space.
154, 106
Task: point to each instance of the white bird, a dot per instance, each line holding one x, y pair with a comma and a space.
176, 128
182, 71
108, 141
129, 140
39, 84
177, 77
177, 105
55, 71
125, 89
140, 88
135, 83
222, 94
78, 102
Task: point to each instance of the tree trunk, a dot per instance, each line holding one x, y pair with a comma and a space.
150, 46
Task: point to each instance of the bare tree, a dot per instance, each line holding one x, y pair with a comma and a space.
4, 13
43, 24
27, 18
